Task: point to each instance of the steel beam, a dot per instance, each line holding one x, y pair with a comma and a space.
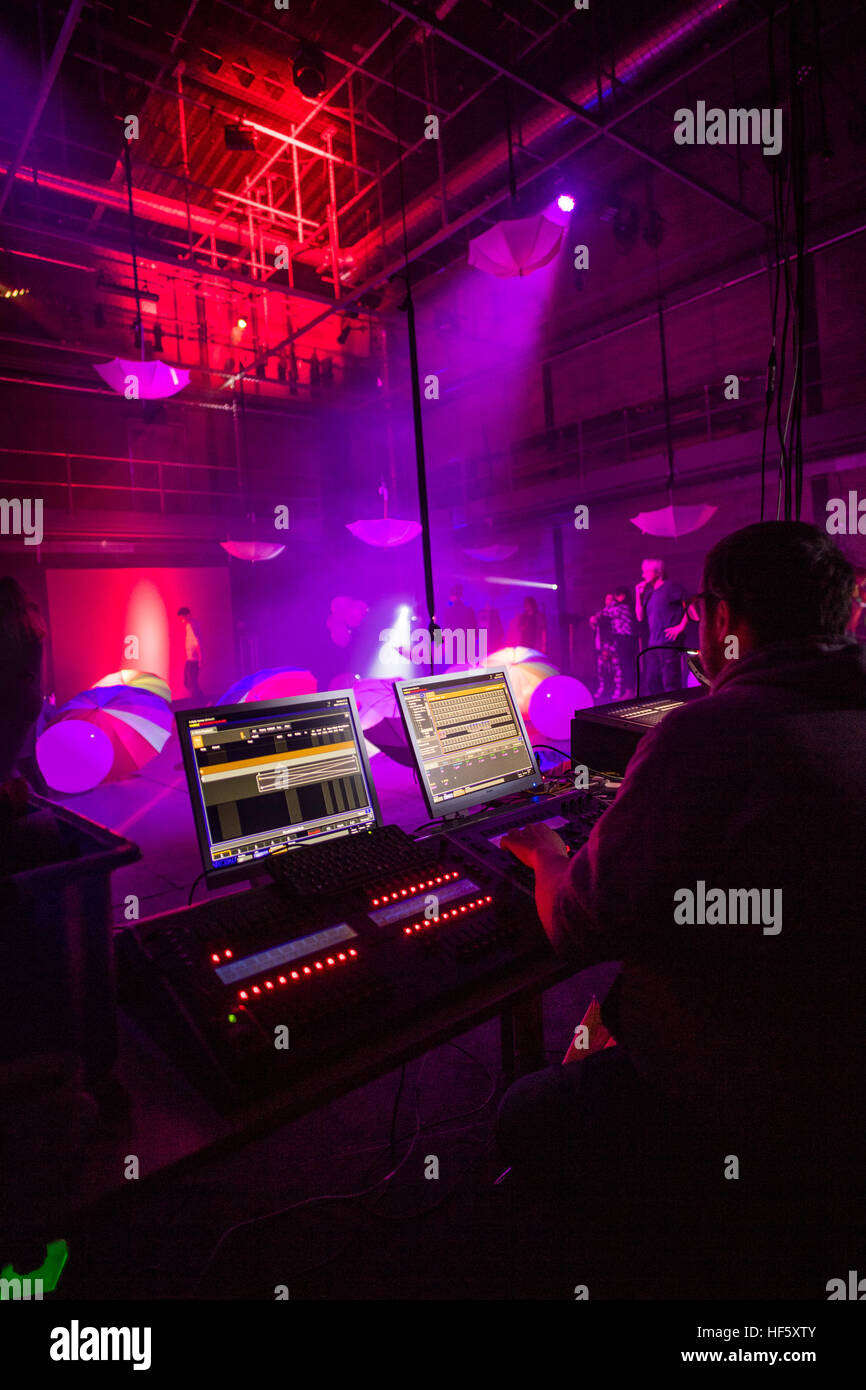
572, 107
45, 86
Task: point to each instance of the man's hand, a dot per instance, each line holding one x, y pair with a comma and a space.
546, 853
533, 842
672, 633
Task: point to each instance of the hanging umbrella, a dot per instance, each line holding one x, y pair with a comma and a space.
269, 684
142, 680
253, 550
149, 381
516, 247
137, 723
385, 530
673, 520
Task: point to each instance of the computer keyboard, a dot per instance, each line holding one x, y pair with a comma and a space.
337, 865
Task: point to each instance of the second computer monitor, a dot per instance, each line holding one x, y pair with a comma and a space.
468, 739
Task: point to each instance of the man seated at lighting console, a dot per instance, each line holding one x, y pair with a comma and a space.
739, 1016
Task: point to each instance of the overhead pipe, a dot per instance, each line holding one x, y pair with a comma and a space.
544, 119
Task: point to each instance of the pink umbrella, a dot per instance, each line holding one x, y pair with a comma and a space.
673, 520
253, 550
148, 381
384, 531
516, 247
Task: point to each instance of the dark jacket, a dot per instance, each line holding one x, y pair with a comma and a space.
760, 785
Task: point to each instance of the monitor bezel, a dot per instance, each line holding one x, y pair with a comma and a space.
217, 877
531, 782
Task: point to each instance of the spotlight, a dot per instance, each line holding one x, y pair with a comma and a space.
343, 335
308, 71
565, 202
238, 138
242, 323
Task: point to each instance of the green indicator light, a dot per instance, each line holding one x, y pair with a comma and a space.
233, 1018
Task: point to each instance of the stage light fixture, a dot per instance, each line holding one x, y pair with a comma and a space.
242, 323
245, 74
308, 71
239, 139
157, 337
565, 202
343, 335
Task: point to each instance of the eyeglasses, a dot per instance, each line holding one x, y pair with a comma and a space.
694, 609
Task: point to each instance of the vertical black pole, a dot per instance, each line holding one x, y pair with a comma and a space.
423, 507
128, 162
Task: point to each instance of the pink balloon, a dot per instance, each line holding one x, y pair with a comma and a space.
553, 703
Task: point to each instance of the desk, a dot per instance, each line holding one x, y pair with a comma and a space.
171, 1128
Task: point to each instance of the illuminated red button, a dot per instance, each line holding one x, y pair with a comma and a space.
282, 979
256, 989
243, 995
407, 931
228, 954
331, 960
269, 984
318, 965
375, 902
341, 955
463, 908
215, 958
352, 951
488, 899
307, 970
295, 975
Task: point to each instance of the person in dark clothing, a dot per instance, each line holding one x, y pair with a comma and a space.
22, 637
614, 626
660, 606
755, 794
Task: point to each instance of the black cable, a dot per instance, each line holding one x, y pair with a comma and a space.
195, 883
551, 749
657, 647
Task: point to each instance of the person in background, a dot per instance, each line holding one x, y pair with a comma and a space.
490, 623
614, 627
660, 604
22, 638
528, 628
601, 626
192, 655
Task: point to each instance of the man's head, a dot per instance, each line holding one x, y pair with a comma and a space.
775, 581
183, 613
621, 594
652, 569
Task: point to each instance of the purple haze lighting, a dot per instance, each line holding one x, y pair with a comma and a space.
565, 202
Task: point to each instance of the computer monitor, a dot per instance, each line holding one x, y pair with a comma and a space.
468, 739
272, 776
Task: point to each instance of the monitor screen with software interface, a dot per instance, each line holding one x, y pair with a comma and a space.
468, 739
274, 776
